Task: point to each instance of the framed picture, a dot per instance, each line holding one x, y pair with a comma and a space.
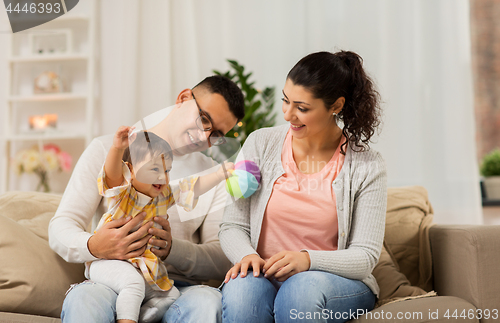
48, 82
50, 42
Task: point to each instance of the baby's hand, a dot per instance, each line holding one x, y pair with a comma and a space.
225, 171
121, 139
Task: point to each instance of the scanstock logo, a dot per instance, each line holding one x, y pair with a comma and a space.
25, 14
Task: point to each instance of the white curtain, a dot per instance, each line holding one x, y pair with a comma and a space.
5, 50
418, 52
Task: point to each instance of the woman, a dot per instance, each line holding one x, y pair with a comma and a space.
313, 232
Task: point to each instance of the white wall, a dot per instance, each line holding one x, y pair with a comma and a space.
417, 51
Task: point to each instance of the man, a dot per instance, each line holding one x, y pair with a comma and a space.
190, 249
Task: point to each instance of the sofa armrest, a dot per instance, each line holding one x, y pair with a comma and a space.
466, 262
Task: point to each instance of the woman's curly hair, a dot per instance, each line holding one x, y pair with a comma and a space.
330, 76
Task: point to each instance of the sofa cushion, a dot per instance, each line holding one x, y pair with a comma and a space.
393, 284
24, 318
409, 218
431, 309
27, 205
33, 278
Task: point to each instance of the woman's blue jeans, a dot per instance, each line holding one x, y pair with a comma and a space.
310, 296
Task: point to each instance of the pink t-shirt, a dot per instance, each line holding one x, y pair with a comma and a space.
301, 212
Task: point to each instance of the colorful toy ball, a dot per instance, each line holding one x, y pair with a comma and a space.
245, 179
249, 166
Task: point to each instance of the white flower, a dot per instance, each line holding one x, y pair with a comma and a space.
50, 160
30, 160
33, 161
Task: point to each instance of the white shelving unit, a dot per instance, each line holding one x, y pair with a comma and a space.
74, 104
47, 97
50, 58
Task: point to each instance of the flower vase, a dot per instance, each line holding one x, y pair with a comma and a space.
43, 184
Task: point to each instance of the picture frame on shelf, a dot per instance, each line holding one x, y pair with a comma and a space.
48, 82
51, 42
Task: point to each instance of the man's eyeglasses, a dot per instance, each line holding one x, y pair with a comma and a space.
204, 123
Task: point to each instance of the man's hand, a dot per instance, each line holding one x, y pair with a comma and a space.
285, 264
254, 261
162, 238
114, 240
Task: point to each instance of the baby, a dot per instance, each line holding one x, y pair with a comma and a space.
131, 189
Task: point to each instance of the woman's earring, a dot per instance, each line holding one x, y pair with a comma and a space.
334, 114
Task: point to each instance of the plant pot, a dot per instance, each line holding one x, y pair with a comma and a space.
492, 187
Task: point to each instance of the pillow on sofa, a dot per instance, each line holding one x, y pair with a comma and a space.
33, 278
393, 284
38, 225
27, 205
409, 218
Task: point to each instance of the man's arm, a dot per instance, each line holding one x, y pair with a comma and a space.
205, 260
67, 229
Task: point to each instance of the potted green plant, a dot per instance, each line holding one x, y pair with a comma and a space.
259, 111
259, 104
490, 169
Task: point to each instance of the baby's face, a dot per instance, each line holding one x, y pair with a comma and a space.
151, 175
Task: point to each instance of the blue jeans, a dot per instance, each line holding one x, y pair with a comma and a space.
91, 302
311, 296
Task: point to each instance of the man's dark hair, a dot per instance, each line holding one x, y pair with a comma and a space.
229, 90
146, 144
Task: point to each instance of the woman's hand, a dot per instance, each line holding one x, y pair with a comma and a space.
254, 261
114, 240
162, 238
285, 264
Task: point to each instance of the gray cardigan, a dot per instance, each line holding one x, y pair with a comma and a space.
361, 191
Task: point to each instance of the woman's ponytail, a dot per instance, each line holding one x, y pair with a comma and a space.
361, 112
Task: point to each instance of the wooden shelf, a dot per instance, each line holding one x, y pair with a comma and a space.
48, 97
70, 17
48, 58
487, 202
45, 136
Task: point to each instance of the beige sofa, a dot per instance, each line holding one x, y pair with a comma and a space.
460, 263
